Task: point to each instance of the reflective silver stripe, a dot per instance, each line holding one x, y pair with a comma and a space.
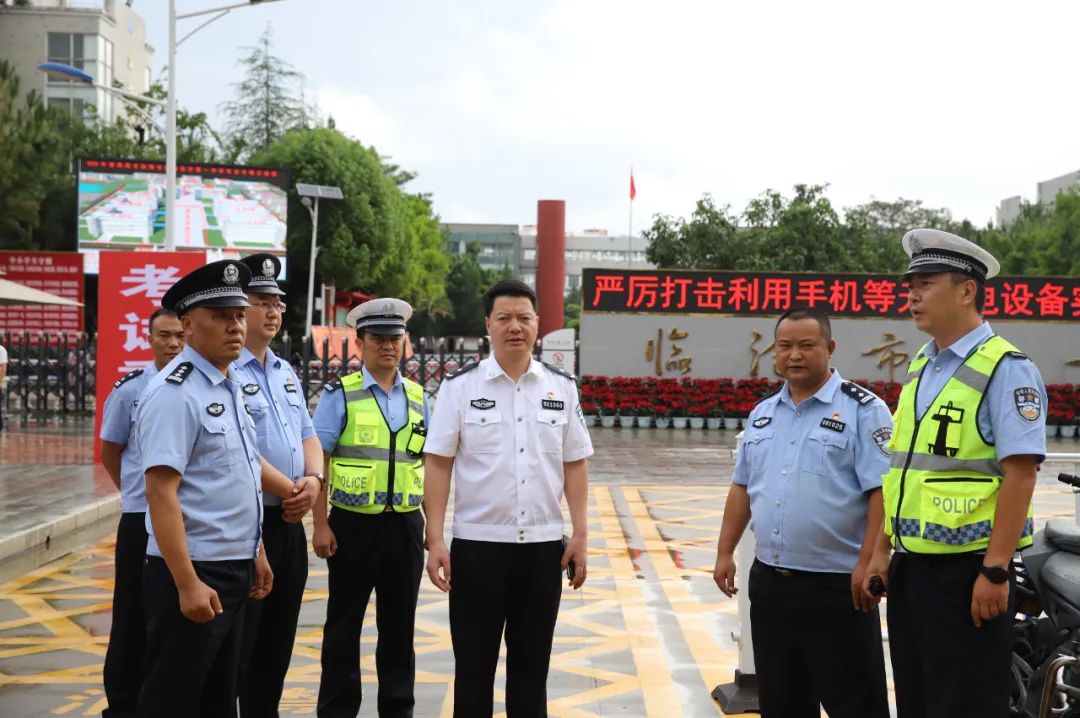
937, 464
418, 408
969, 377
372, 453
357, 395
911, 376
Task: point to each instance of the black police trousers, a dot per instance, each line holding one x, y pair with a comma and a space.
811, 647
382, 552
191, 668
270, 624
943, 666
496, 586
123, 672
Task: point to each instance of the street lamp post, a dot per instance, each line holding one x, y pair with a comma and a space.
309, 197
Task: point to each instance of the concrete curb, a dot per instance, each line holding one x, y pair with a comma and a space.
50, 530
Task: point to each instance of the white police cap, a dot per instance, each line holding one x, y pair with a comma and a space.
933, 251
380, 316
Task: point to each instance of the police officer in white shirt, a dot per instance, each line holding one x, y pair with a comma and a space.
513, 429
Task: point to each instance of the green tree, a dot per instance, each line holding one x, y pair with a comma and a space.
466, 283
572, 309
377, 239
269, 100
709, 240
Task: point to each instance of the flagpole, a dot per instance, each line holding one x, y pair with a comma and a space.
630, 227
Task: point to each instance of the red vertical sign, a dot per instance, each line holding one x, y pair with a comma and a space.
59, 273
130, 288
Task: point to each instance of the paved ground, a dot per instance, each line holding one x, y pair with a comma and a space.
649, 635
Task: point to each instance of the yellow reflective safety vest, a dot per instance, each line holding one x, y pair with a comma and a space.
944, 478
370, 459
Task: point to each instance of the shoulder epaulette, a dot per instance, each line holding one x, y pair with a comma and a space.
770, 395
180, 373
463, 370
858, 393
1018, 355
127, 377
333, 384
560, 371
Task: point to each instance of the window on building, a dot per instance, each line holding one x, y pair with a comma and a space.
529, 255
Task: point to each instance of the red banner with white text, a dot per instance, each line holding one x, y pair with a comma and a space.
130, 288
59, 273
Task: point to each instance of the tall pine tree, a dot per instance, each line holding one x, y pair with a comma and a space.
269, 100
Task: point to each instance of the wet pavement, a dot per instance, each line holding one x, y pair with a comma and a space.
648, 635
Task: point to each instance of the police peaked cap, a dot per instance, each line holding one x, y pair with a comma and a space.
218, 284
264, 268
933, 251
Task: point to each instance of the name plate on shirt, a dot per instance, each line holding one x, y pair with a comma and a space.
552, 404
837, 426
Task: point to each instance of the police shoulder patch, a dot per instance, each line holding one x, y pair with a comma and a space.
882, 437
463, 370
1028, 402
856, 392
180, 373
560, 371
127, 377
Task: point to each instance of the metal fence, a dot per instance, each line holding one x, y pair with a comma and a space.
52, 376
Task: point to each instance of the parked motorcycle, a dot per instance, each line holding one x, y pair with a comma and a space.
1046, 631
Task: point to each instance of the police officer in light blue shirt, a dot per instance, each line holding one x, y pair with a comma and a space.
809, 472
286, 439
122, 674
204, 484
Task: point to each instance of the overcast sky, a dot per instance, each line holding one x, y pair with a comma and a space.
498, 104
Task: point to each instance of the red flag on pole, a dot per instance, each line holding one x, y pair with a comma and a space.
633, 189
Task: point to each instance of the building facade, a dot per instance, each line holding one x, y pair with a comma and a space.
104, 38
506, 247
1045, 193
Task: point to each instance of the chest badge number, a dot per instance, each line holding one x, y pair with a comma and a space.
555, 404
215, 409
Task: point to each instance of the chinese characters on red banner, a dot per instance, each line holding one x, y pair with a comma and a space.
59, 273
130, 288
842, 295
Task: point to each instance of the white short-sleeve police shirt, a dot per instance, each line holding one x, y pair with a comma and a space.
509, 443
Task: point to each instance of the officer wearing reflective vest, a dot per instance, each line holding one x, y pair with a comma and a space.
969, 434
372, 426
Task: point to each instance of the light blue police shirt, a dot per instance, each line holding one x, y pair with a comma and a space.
282, 422
999, 417
330, 413
808, 469
193, 420
118, 427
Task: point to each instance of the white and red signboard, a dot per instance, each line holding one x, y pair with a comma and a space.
130, 288
59, 273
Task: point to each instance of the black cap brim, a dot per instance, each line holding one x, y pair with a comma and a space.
937, 269
220, 302
384, 329
265, 290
